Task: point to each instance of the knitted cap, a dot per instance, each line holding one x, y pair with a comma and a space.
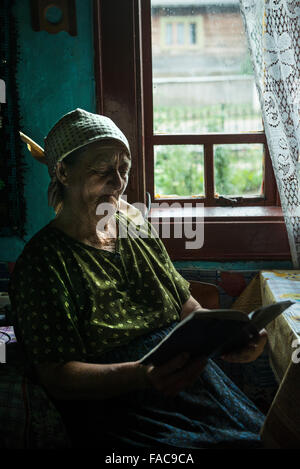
75, 130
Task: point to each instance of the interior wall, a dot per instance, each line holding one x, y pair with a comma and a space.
55, 75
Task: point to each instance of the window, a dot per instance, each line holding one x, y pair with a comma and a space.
248, 225
177, 33
169, 34
193, 33
203, 100
180, 33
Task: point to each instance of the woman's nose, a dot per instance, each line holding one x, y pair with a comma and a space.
116, 180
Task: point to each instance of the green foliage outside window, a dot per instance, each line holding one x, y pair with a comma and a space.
238, 169
179, 169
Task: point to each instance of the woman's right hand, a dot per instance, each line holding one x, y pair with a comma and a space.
174, 375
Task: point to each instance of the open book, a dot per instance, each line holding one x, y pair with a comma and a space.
214, 332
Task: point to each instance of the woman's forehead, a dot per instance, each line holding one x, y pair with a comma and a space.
105, 154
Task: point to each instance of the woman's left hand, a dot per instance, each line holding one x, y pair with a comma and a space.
174, 375
250, 352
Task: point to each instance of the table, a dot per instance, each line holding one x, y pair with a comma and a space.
282, 424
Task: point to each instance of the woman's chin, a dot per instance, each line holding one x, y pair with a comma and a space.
113, 200
110, 199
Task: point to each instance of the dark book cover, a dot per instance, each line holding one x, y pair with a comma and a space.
211, 333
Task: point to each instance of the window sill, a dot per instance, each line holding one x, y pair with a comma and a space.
230, 233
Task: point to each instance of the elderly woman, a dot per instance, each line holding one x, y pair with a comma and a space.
88, 303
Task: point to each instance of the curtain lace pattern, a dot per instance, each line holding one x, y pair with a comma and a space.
273, 32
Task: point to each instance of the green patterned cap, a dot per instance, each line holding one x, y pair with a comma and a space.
75, 130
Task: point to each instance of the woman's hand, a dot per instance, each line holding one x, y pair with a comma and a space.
176, 374
189, 306
250, 352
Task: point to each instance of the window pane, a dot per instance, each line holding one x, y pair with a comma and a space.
193, 37
238, 169
169, 33
178, 170
180, 33
204, 84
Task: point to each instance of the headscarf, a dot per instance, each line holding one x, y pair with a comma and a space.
74, 130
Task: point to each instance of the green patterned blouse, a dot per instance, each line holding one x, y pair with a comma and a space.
71, 301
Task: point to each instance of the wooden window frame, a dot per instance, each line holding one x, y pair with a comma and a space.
208, 140
253, 230
270, 196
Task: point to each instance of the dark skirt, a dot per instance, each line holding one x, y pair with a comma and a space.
212, 413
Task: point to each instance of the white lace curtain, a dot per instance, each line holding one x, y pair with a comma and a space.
273, 31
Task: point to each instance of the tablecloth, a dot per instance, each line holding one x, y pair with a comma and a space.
282, 425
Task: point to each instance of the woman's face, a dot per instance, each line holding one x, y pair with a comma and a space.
100, 175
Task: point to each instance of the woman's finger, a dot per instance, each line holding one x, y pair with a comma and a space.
249, 353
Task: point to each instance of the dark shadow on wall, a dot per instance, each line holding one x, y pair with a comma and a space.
12, 166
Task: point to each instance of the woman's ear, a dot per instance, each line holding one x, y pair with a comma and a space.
62, 173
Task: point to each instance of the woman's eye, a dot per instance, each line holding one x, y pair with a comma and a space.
97, 172
123, 172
